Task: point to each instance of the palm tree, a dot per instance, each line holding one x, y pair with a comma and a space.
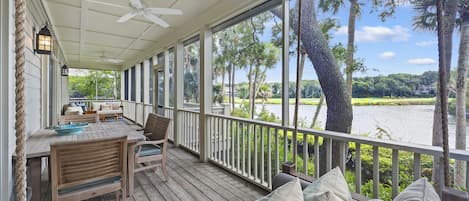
461, 86
426, 19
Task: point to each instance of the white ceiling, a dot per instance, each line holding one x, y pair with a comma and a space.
87, 30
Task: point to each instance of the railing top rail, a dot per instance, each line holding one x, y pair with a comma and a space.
189, 111
402, 146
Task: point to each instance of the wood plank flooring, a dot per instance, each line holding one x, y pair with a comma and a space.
189, 180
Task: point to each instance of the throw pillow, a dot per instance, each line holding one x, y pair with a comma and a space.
420, 190
95, 106
106, 107
290, 191
330, 187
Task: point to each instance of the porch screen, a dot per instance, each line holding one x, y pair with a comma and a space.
126, 85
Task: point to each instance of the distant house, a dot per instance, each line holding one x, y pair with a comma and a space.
423, 89
228, 91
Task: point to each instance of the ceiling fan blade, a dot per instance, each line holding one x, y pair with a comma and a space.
165, 11
108, 4
156, 20
127, 17
136, 4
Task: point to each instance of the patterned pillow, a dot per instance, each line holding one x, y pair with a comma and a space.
329, 187
290, 191
420, 190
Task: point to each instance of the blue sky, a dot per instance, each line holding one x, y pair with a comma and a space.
386, 47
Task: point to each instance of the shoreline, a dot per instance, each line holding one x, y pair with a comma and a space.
355, 101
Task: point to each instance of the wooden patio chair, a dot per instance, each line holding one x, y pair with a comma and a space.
154, 150
149, 124
86, 169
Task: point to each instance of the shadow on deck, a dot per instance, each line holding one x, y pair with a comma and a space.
189, 179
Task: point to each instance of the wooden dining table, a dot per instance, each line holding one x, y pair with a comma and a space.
38, 146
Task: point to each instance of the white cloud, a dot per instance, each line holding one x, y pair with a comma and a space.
421, 61
426, 43
378, 33
388, 55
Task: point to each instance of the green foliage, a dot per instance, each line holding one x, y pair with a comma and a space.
107, 84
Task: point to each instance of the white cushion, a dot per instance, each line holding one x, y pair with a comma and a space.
290, 191
330, 187
95, 106
420, 190
74, 111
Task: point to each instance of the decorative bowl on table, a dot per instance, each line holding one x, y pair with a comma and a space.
69, 129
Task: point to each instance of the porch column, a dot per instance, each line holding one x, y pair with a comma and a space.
205, 90
178, 88
166, 78
285, 62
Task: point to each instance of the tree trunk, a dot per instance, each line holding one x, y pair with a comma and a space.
339, 107
437, 135
251, 98
318, 109
222, 92
350, 45
232, 96
461, 85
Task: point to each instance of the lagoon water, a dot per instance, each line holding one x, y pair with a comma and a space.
410, 123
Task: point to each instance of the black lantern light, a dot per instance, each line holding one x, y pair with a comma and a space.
44, 41
64, 70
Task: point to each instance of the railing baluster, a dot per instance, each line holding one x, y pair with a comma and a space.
328, 154
262, 154
238, 130
395, 173
218, 140
191, 130
305, 154
232, 140
243, 147
212, 137
269, 157
256, 168
416, 166
375, 171
222, 141
342, 147
467, 175
249, 148
223, 137
358, 168
285, 145
316, 157
277, 153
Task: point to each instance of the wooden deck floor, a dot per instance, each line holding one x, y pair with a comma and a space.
190, 180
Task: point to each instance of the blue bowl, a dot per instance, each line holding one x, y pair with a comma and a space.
70, 129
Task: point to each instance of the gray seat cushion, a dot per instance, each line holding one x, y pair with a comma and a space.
89, 185
149, 150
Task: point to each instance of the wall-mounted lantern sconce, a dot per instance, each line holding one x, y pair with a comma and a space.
44, 41
64, 70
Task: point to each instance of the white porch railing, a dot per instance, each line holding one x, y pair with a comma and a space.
189, 124
254, 150
169, 113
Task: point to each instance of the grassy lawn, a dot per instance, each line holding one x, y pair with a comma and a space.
355, 101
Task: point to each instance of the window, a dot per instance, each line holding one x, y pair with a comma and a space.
191, 71
150, 84
126, 85
160, 78
132, 84
142, 84
247, 64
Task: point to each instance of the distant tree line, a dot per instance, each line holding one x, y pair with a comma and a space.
392, 85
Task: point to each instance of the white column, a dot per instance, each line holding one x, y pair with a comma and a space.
178, 87
138, 90
122, 86
205, 90
285, 63
146, 81
129, 85
166, 78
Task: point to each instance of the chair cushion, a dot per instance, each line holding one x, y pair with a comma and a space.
149, 150
290, 191
331, 187
420, 190
89, 185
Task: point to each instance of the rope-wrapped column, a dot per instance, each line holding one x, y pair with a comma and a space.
20, 166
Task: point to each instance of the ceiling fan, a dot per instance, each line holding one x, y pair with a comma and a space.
140, 9
104, 59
